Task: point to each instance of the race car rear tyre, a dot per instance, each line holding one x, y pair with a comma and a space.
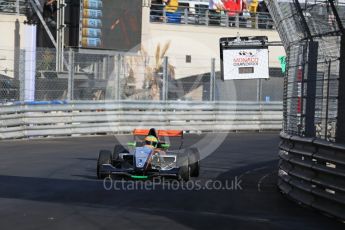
103, 158
118, 149
184, 172
194, 161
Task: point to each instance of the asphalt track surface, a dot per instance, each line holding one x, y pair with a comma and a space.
51, 184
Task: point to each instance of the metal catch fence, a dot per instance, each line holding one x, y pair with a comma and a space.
87, 75
322, 28
311, 167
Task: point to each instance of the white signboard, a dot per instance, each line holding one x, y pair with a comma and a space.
245, 63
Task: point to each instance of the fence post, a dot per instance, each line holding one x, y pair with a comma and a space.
327, 97
237, 23
185, 16
60, 35
258, 91
117, 87
70, 89
164, 16
105, 67
165, 80
16, 50
212, 79
256, 21
340, 131
207, 17
22, 75
310, 130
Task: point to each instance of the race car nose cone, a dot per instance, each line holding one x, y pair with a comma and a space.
141, 156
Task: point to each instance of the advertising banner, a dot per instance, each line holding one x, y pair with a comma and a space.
245, 63
110, 24
244, 57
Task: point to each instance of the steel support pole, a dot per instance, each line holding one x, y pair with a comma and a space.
21, 74
237, 20
117, 87
16, 63
105, 68
257, 90
340, 131
165, 80
310, 130
186, 16
260, 89
227, 20
327, 99
165, 20
212, 79
70, 89
60, 35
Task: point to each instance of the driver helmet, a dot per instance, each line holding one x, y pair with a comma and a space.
151, 140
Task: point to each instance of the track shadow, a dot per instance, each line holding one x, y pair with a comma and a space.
86, 176
202, 209
86, 159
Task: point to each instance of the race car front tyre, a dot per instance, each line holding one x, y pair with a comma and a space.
103, 158
194, 161
184, 172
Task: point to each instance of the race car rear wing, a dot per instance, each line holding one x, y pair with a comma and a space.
160, 133
170, 133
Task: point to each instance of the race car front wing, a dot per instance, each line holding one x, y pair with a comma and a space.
138, 173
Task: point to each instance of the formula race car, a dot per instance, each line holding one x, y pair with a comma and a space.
149, 157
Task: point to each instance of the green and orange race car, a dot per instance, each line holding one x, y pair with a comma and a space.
150, 157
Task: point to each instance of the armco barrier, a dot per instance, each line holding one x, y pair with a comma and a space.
312, 172
90, 117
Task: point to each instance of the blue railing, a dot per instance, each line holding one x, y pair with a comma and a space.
201, 15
